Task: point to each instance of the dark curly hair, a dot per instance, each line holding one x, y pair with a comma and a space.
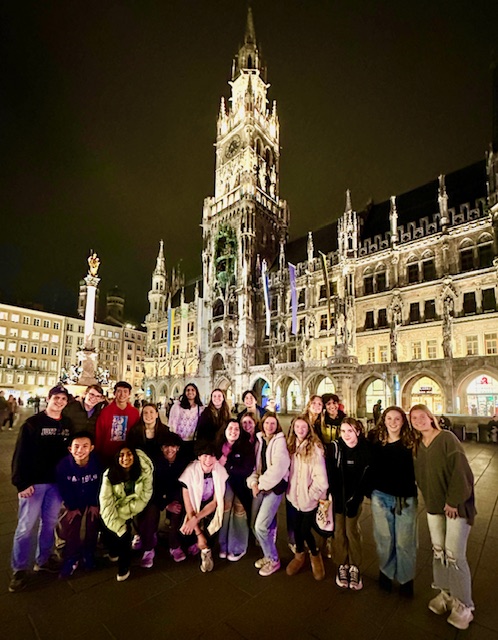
407, 435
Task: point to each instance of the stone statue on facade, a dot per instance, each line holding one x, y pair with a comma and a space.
448, 306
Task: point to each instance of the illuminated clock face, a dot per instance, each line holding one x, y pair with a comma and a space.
233, 147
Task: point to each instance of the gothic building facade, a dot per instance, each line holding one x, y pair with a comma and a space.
396, 302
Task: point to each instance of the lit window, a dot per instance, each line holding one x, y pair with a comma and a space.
14, 317
383, 353
490, 344
432, 349
416, 351
472, 345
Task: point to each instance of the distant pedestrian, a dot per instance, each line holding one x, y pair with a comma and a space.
377, 411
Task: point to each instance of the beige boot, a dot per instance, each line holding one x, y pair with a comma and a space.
317, 566
296, 564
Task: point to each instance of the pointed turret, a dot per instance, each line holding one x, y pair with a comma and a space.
248, 56
160, 269
158, 290
348, 230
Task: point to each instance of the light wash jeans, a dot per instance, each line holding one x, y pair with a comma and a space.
234, 533
264, 514
45, 505
450, 567
395, 536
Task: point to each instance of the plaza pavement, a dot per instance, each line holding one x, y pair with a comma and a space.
233, 602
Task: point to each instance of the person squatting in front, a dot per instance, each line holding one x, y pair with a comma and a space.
126, 490
79, 476
308, 484
203, 489
268, 483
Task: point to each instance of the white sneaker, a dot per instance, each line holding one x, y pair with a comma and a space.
136, 543
461, 616
207, 563
442, 603
233, 557
270, 567
342, 577
355, 581
121, 577
148, 559
261, 562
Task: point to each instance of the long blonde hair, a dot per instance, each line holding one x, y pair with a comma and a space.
307, 449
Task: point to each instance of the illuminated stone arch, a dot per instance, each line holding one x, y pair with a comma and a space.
372, 388
424, 388
318, 384
289, 393
478, 388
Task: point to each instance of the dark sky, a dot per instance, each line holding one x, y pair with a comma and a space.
108, 119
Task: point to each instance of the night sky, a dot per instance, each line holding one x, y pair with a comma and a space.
108, 119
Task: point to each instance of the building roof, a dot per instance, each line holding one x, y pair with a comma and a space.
463, 186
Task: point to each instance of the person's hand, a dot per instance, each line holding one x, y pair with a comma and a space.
94, 513
255, 490
174, 507
450, 512
27, 493
189, 525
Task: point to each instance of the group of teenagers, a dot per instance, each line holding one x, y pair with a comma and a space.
219, 477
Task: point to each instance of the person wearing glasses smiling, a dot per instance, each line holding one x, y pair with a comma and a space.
83, 412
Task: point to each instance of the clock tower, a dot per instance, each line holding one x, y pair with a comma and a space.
243, 223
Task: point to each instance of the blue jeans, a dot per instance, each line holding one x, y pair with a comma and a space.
395, 536
451, 570
234, 532
45, 505
264, 514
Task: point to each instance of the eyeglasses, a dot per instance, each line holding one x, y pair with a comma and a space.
95, 395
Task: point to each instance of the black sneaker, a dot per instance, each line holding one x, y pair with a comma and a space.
385, 583
18, 581
406, 589
52, 565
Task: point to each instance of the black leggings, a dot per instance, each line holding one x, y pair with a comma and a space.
303, 531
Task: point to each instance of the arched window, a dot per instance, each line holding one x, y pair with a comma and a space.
217, 335
218, 308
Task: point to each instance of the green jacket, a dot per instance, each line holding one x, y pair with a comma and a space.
116, 508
